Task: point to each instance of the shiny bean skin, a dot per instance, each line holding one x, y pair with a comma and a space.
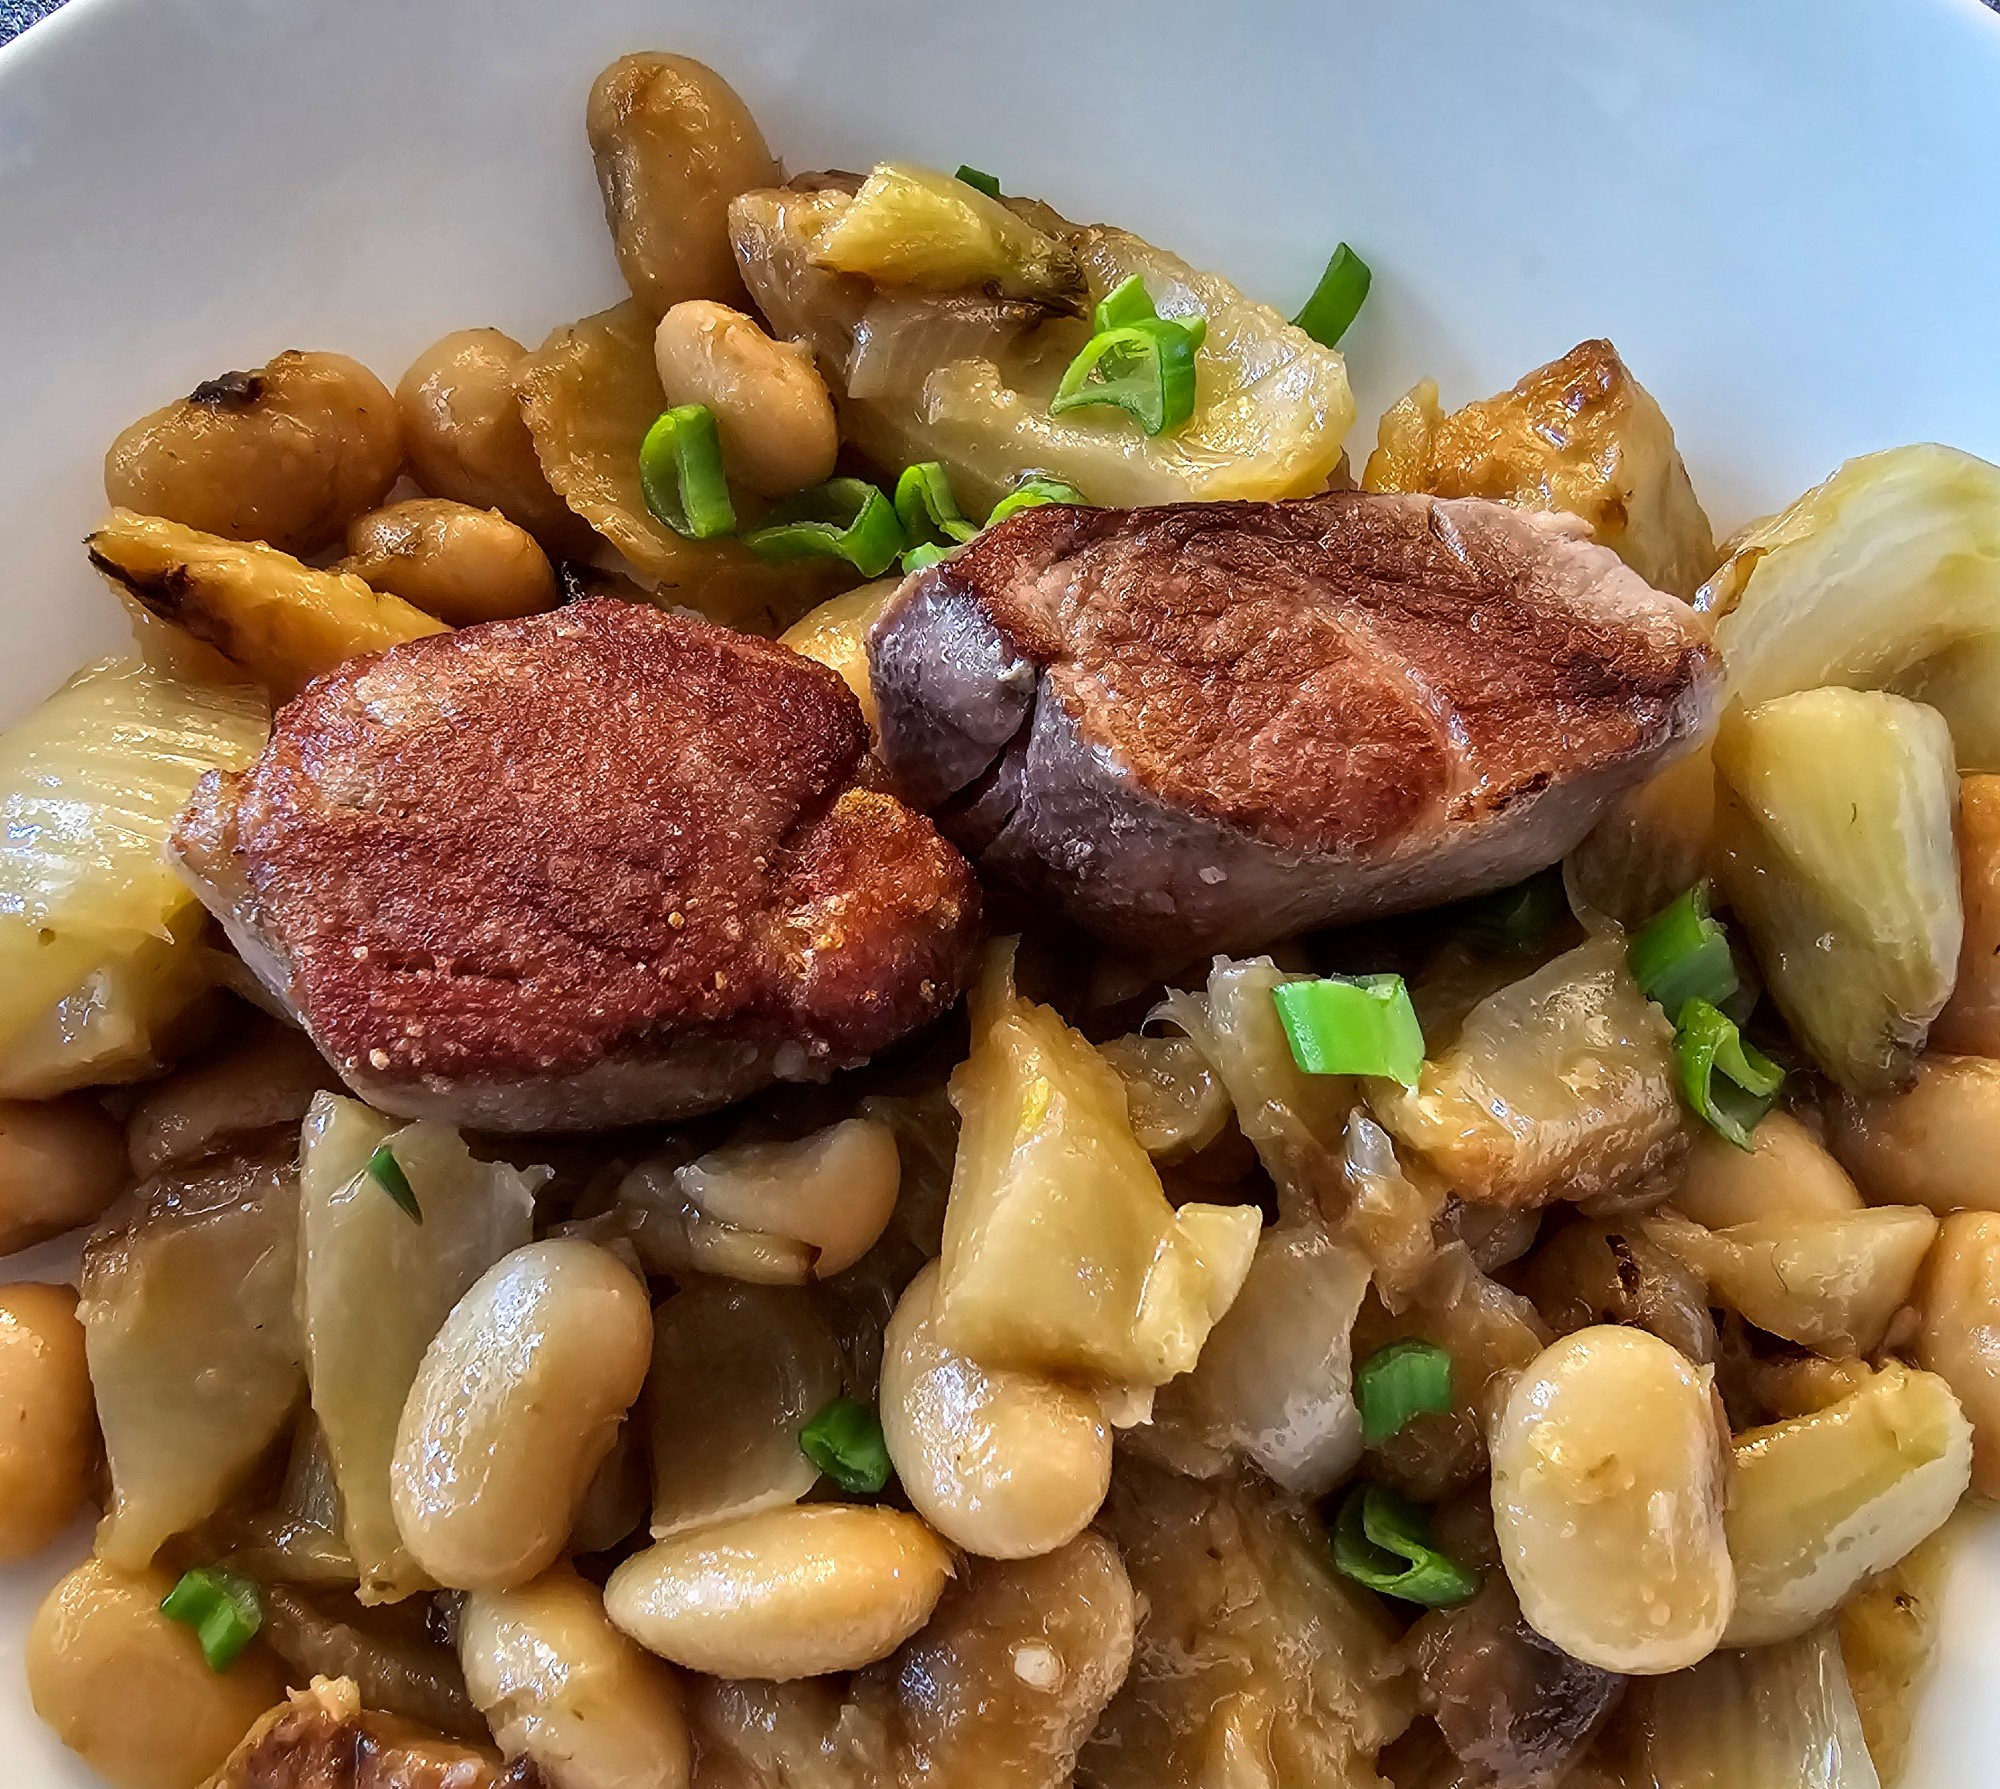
515, 1405
1608, 1488
48, 1427
1787, 1170
288, 453
1936, 1143
796, 1592
771, 408
673, 143
1003, 1464
128, 1690
563, 1688
461, 564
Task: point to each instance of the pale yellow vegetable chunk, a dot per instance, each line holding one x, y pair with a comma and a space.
276, 617
1061, 1252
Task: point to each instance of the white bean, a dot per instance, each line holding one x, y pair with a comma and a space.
771, 408
517, 1402
563, 1688
1960, 1337
1785, 1171
789, 1593
1936, 1143
48, 1428
1608, 1478
1002, 1463
62, 1161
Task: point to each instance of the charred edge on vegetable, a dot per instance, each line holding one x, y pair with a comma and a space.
233, 391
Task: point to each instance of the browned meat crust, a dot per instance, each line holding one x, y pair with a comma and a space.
588, 868
322, 1738
1206, 726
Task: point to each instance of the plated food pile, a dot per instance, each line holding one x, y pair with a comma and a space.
848, 1034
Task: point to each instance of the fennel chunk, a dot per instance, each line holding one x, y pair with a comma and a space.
192, 1342
1061, 1253
1838, 855
1560, 1086
376, 1286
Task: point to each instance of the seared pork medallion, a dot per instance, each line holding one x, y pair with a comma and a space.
1209, 726
591, 868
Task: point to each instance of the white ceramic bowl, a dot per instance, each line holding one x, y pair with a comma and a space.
1781, 212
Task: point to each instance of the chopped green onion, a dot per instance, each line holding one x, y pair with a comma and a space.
1382, 1541
919, 558
926, 506
1398, 1382
387, 1173
1517, 918
1725, 1080
223, 1610
845, 1442
1031, 493
1337, 299
845, 518
986, 183
1360, 1026
680, 474
1126, 302
1682, 954
1145, 368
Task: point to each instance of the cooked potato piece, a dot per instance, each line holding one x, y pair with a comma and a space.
1251, 1646
673, 143
1959, 1340
280, 621
375, 1286
1828, 1282
128, 1690
466, 440
836, 634
1580, 434
965, 376
1892, 561
1821, 1502
1970, 1022
912, 226
738, 1371
1275, 1380
1786, 1169
100, 942
61, 1163
590, 393
322, 1738
1061, 1253
1936, 1143
191, 1272
458, 563
1837, 855
1609, 1481
263, 1079
286, 454
1560, 1086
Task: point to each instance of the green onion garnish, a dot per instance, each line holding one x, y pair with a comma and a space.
1383, 1541
919, 558
1725, 1080
1517, 918
680, 473
927, 508
1398, 1382
1337, 299
1127, 302
985, 183
223, 1610
387, 1173
1145, 368
1682, 954
1031, 493
1360, 1026
845, 1442
845, 518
